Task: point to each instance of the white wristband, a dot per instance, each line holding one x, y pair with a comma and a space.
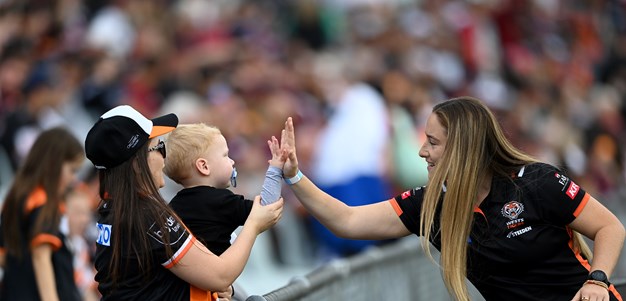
295, 179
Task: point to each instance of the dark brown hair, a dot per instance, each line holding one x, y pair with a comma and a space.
134, 201
41, 169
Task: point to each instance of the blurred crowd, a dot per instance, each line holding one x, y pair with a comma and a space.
358, 76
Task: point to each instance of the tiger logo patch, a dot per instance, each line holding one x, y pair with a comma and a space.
512, 210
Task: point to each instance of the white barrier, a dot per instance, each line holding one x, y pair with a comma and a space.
397, 271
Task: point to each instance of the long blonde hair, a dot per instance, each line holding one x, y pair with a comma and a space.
475, 146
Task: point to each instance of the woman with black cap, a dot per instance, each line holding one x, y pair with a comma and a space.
144, 251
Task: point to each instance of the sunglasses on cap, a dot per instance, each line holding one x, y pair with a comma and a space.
159, 147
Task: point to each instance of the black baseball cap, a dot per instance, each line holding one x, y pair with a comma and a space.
121, 132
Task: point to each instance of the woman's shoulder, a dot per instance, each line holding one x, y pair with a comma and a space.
538, 173
37, 198
538, 168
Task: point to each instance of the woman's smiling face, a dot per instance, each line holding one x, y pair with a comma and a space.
435, 144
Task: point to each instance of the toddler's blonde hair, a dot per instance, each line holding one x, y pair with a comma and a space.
184, 146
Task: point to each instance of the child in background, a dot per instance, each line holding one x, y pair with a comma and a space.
80, 212
34, 253
197, 158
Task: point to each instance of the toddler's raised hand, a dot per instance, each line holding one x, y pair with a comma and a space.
279, 155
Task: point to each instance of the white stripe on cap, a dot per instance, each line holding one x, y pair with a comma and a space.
129, 112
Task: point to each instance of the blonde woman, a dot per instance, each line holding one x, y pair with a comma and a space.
500, 218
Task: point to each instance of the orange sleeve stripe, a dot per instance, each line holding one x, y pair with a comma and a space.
46, 239
181, 252
396, 207
583, 262
36, 199
479, 211
615, 292
196, 294
582, 204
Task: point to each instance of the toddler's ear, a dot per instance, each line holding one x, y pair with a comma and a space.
202, 165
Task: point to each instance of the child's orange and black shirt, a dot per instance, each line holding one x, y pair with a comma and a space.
19, 276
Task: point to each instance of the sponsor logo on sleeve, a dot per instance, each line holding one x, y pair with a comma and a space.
171, 226
563, 180
410, 192
104, 234
572, 190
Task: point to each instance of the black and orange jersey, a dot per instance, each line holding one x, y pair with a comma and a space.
162, 284
520, 245
19, 276
211, 214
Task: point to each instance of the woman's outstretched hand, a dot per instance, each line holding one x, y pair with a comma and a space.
288, 145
